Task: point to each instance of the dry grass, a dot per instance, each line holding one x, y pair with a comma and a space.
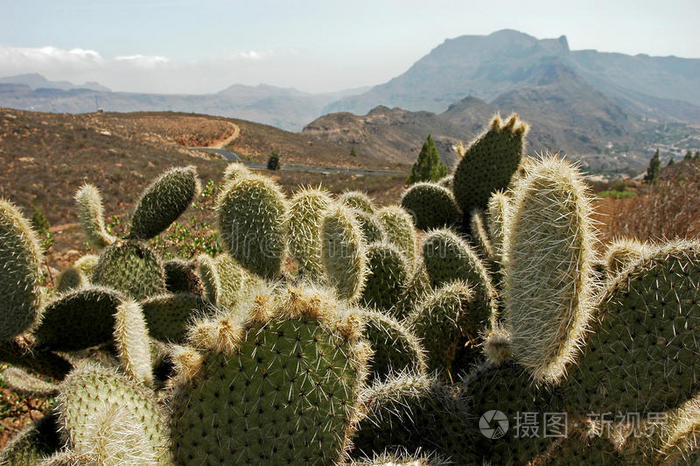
669, 209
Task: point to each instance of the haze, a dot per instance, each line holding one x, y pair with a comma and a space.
316, 46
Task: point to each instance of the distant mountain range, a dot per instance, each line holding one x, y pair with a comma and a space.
606, 108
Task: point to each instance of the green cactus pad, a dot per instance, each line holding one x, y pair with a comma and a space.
398, 225
87, 264
207, 272
31, 445
396, 348
622, 252
78, 320
548, 280
20, 261
372, 230
132, 268
70, 278
446, 182
164, 201
168, 315
357, 200
234, 280
279, 390
402, 458
442, 321
449, 258
91, 215
641, 352
481, 237
90, 389
489, 163
431, 205
497, 213
415, 412
132, 343
235, 171
21, 382
252, 214
578, 449
343, 252
307, 208
416, 289
387, 277
509, 389
181, 277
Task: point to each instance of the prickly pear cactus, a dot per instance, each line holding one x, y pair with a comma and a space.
69, 279
400, 231
209, 275
35, 442
21, 382
307, 208
640, 354
400, 457
343, 252
431, 205
357, 200
387, 277
91, 215
164, 201
497, 213
234, 172
446, 182
395, 346
131, 267
441, 322
252, 213
372, 230
280, 387
79, 319
20, 261
132, 343
168, 315
489, 163
234, 280
622, 252
181, 277
90, 389
480, 236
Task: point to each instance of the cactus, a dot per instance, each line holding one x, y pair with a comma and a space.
26, 384
398, 225
372, 230
234, 172
387, 277
497, 213
132, 268
442, 322
91, 389
280, 386
448, 258
207, 272
446, 182
70, 278
86, 264
489, 163
508, 388
163, 201
548, 283
168, 315
78, 320
580, 449
132, 343
416, 289
481, 237
357, 200
307, 208
344, 253
402, 458
20, 261
413, 412
181, 277
31, 445
431, 205
622, 252
233, 279
396, 348
678, 442
641, 352
252, 215
91, 215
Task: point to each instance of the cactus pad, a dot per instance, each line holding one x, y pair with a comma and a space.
398, 225
307, 208
131, 267
388, 274
91, 215
431, 205
343, 252
168, 315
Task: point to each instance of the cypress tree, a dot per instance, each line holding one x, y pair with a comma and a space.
428, 167
653, 169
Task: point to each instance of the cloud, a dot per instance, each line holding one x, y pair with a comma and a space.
253, 55
43, 56
143, 60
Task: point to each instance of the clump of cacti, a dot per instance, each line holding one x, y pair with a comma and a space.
264, 353
431, 205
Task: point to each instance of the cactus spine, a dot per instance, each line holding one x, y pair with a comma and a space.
357, 200
91, 215
497, 213
132, 342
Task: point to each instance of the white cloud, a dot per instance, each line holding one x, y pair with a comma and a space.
28, 57
143, 60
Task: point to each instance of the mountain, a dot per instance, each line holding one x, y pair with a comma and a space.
489, 66
284, 108
37, 81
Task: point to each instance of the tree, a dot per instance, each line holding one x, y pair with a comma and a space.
671, 162
273, 163
428, 167
353, 153
688, 156
653, 169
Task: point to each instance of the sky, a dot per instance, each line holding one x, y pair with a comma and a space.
179, 46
